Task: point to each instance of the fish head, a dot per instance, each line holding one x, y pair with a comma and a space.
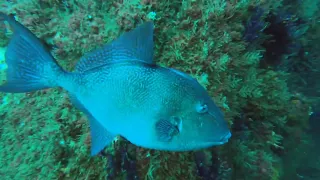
202, 124
196, 122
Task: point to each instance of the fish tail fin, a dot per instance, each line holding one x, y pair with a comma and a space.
28, 65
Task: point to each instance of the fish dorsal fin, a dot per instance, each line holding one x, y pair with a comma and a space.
135, 45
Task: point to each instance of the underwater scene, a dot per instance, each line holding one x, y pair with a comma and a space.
159, 89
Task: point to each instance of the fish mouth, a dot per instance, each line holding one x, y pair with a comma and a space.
223, 140
226, 137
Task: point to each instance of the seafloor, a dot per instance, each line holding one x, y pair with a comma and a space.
258, 59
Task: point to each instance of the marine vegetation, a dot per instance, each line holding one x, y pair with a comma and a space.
265, 93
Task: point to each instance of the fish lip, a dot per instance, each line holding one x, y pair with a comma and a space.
226, 137
223, 140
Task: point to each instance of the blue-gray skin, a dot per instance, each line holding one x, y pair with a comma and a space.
122, 92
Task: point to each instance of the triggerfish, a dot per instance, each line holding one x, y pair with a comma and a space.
121, 90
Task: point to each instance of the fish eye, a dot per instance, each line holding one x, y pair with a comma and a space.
202, 108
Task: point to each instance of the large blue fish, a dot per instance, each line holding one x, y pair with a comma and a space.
122, 91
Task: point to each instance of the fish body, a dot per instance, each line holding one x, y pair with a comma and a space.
122, 91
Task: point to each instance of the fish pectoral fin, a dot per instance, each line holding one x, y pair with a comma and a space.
100, 137
166, 129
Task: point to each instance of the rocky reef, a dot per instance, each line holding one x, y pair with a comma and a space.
257, 59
